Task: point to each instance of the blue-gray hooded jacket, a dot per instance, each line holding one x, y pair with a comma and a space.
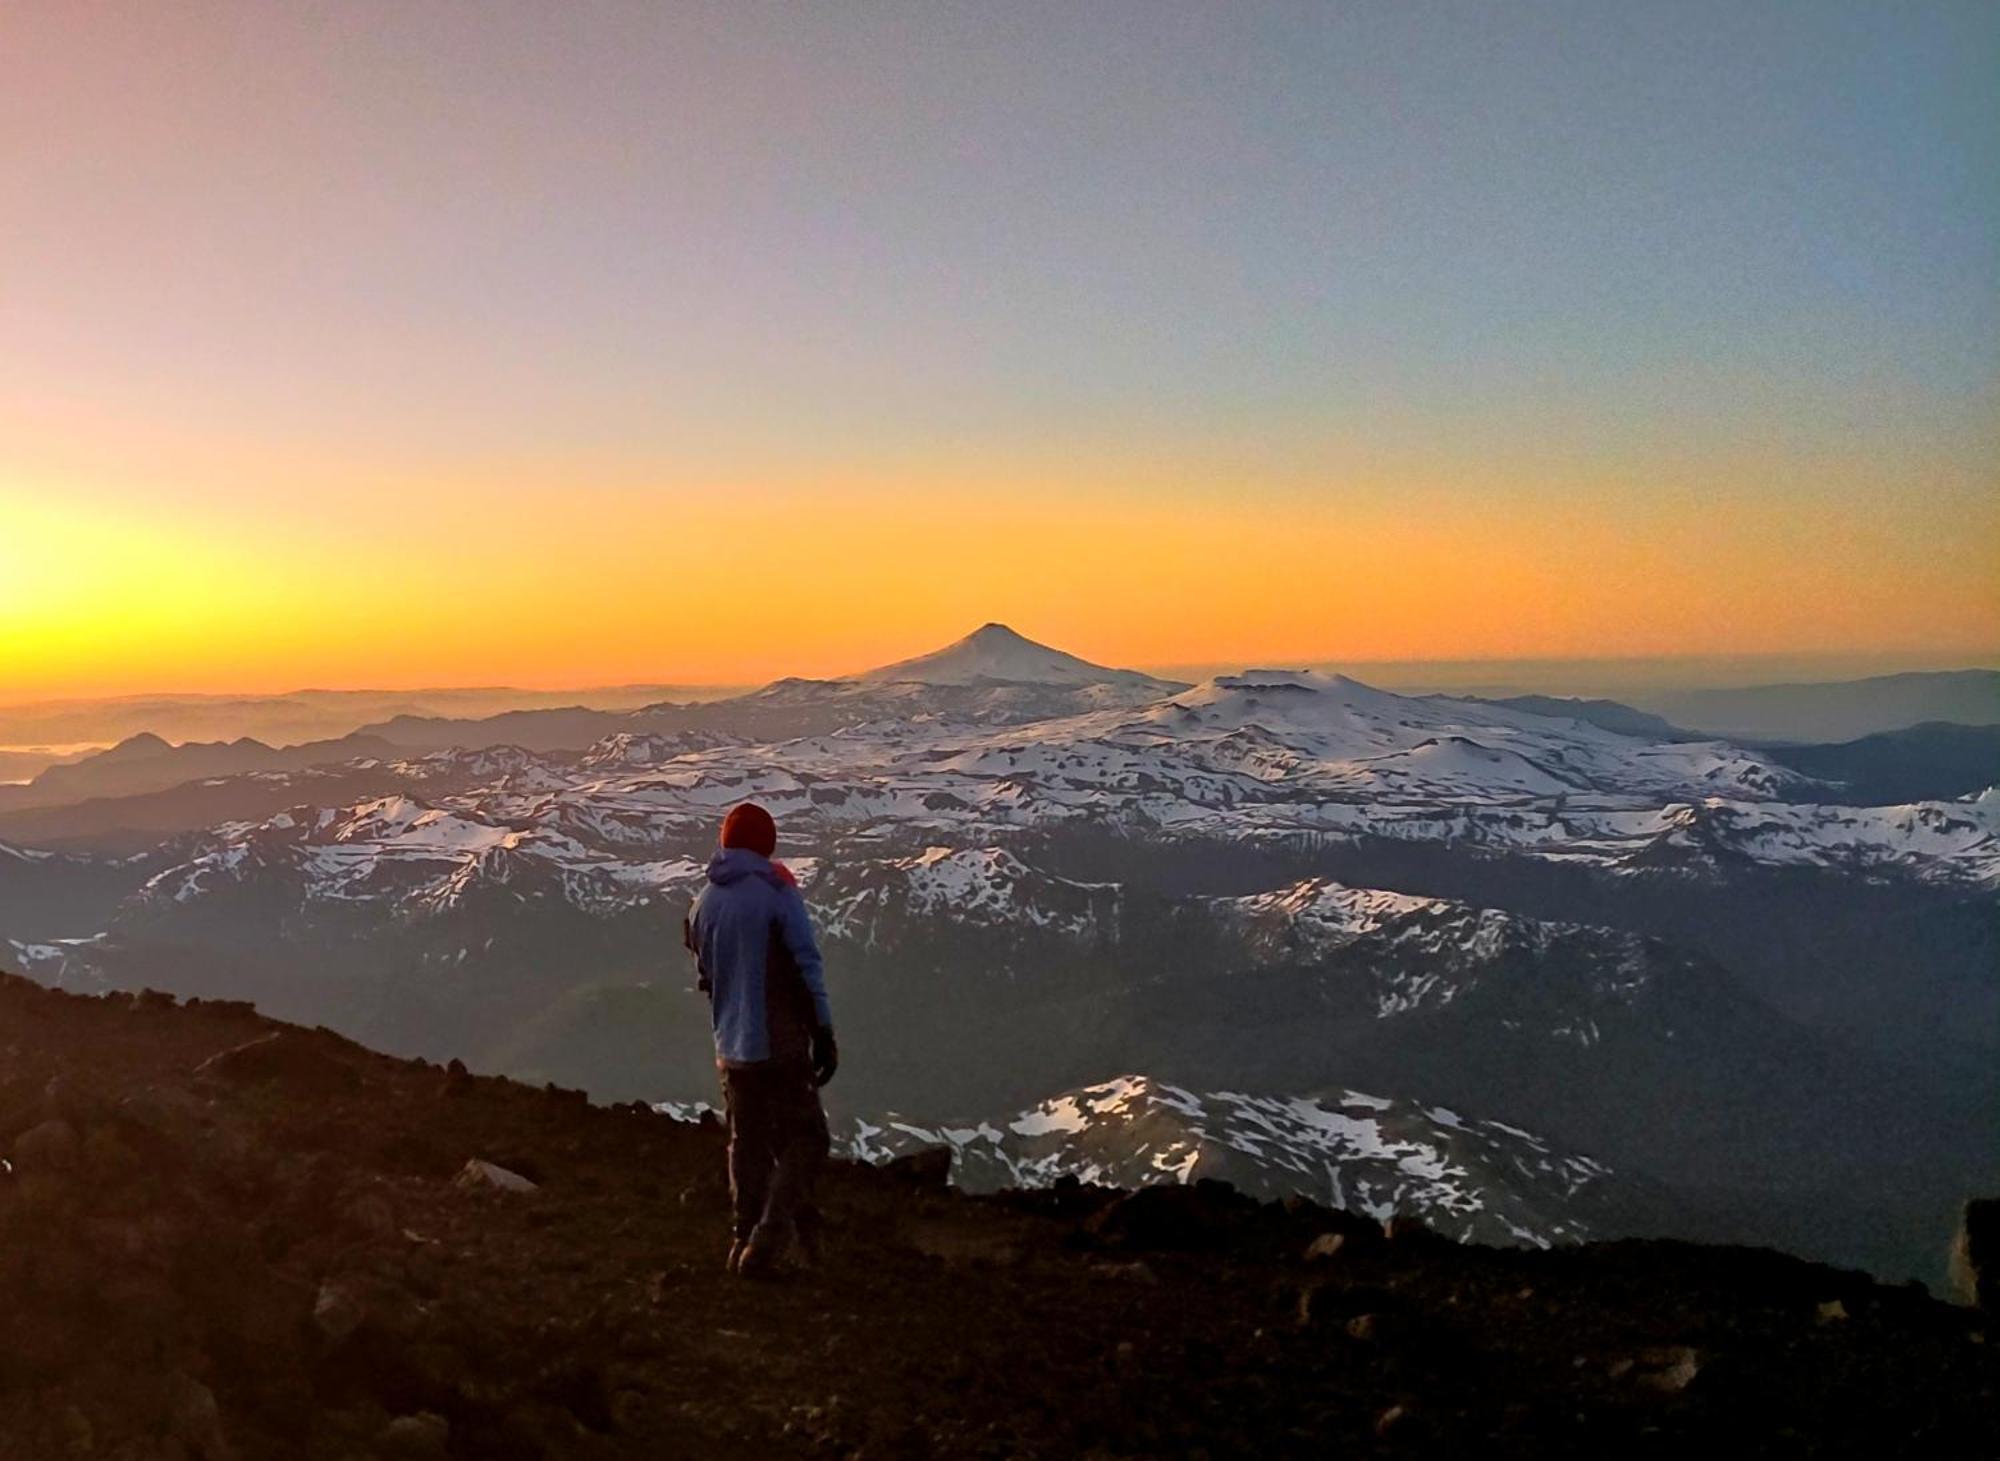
753, 941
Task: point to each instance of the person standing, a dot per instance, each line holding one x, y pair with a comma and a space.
774, 1048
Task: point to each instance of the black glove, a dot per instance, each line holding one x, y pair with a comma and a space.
825, 1055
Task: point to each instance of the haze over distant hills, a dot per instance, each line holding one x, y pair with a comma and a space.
1723, 697
287, 719
1836, 711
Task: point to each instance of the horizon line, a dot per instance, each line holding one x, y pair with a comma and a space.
1937, 663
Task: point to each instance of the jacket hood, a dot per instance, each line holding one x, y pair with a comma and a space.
733, 864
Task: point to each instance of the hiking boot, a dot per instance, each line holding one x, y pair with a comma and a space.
765, 1252
737, 1247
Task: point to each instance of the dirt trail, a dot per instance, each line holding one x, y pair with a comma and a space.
267, 1255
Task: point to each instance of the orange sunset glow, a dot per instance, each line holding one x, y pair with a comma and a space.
461, 370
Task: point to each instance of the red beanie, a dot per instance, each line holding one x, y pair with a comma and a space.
750, 826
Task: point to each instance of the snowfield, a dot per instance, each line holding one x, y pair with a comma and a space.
1481, 1181
1267, 757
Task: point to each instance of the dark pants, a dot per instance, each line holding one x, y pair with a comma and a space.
777, 1141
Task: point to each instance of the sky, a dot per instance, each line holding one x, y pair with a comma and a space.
504, 342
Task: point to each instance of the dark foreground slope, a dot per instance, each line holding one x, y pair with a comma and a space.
271, 1258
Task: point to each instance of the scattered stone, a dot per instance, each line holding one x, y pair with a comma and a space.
1669, 1368
1132, 1272
195, 1419
1325, 1246
233, 1243
338, 1312
421, 1437
489, 1176
1337, 1307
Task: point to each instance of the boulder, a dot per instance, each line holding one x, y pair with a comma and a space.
49, 1147
1411, 1232
1975, 1255
491, 1177
1201, 1215
425, 1436
285, 1058
196, 1420
928, 1167
371, 1216
1326, 1246
1668, 1368
338, 1312
365, 1304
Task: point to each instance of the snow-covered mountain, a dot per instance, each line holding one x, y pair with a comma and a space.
991, 677
1276, 759
1480, 1181
993, 653
1260, 760
410, 859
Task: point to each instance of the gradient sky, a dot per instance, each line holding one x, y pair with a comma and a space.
412, 342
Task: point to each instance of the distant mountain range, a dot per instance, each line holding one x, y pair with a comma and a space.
302, 715
1922, 763
1838, 711
1724, 973
1933, 760
1608, 715
146, 763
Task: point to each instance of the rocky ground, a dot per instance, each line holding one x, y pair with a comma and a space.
225, 1238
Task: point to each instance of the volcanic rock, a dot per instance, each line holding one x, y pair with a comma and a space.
478, 1174
283, 1057
1975, 1255
928, 1167
48, 1147
224, 1232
